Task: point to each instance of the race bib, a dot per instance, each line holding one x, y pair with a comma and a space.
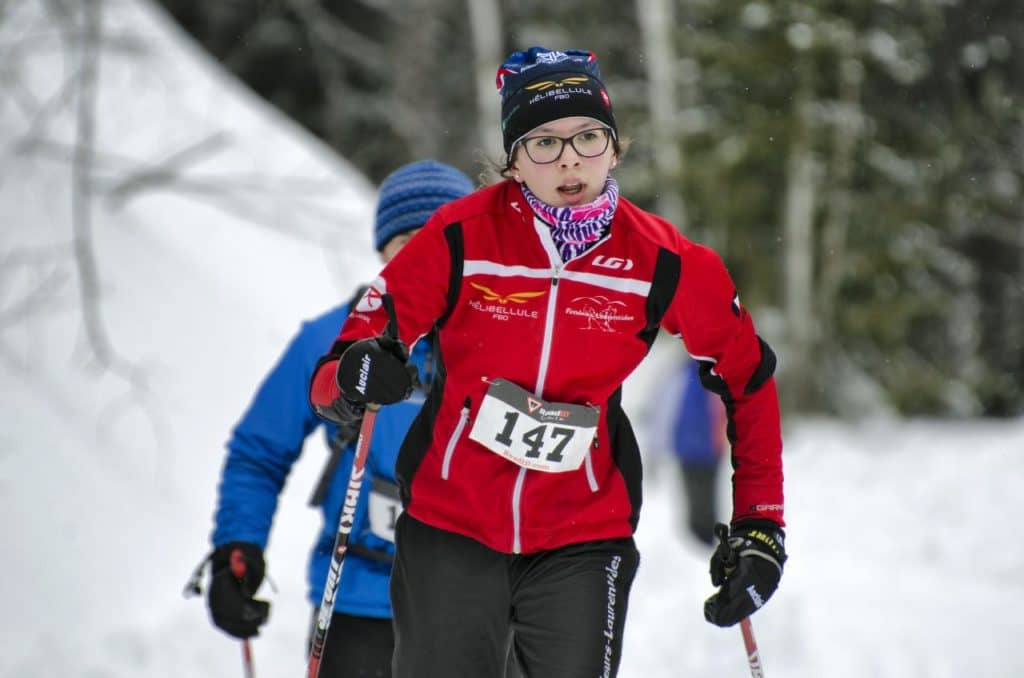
385, 507
532, 432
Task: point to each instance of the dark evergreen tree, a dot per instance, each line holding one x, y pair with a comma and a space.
858, 164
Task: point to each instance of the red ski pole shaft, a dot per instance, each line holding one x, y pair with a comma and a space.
730, 558
345, 521
238, 569
753, 656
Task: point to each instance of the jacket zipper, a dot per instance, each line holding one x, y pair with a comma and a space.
549, 331
542, 370
456, 434
542, 373
591, 478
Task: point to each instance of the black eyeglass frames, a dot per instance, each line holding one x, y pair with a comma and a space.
546, 149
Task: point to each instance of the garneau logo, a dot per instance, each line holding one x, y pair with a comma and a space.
614, 263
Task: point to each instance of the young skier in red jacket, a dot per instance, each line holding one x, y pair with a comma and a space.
521, 476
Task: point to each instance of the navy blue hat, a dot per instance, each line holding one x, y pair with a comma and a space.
541, 85
410, 194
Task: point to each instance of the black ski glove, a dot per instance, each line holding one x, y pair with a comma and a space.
230, 598
747, 566
349, 418
375, 371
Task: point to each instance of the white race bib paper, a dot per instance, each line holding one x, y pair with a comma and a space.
533, 432
385, 507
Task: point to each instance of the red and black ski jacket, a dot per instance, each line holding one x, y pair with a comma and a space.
485, 275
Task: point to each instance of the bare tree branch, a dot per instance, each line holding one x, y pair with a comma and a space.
82, 194
39, 297
41, 115
166, 171
241, 195
81, 184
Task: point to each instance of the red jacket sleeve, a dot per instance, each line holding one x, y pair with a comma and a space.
417, 280
737, 365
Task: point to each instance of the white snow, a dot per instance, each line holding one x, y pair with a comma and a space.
903, 536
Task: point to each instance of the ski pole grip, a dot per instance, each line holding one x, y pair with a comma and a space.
725, 551
391, 329
238, 566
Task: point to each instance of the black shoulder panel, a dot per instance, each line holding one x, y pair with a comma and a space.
457, 255
765, 369
663, 289
625, 454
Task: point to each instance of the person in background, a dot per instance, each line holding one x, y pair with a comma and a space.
521, 476
696, 435
270, 436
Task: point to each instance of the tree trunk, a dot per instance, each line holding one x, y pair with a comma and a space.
485, 24
418, 116
656, 22
798, 243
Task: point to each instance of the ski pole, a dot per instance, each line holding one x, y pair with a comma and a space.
730, 559
753, 656
238, 569
345, 521
348, 513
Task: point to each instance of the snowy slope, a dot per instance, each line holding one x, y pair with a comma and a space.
108, 489
903, 541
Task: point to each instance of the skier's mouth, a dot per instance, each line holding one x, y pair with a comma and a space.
571, 189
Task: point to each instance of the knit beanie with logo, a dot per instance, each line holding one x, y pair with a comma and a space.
412, 193
541, 85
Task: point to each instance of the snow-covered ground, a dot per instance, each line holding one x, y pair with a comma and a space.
904, 558
903, 536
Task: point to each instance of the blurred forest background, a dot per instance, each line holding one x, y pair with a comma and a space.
858, 164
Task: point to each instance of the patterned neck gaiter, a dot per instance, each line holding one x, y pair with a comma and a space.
576, 229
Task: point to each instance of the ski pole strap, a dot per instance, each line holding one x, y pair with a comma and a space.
326, 476
725, 551
337, 444
194, 585
367, 553
391, 329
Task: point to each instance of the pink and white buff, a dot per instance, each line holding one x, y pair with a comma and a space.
575, 229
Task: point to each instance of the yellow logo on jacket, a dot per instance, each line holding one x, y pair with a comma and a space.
515, 297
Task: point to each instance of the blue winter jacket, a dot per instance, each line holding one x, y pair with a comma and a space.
698, 432
269, 439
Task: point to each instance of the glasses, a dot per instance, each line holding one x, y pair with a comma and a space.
588, 143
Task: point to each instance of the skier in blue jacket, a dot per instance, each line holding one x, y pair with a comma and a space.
269, 439
698, 439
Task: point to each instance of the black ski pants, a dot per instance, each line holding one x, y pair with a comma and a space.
357, 647
458, 605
